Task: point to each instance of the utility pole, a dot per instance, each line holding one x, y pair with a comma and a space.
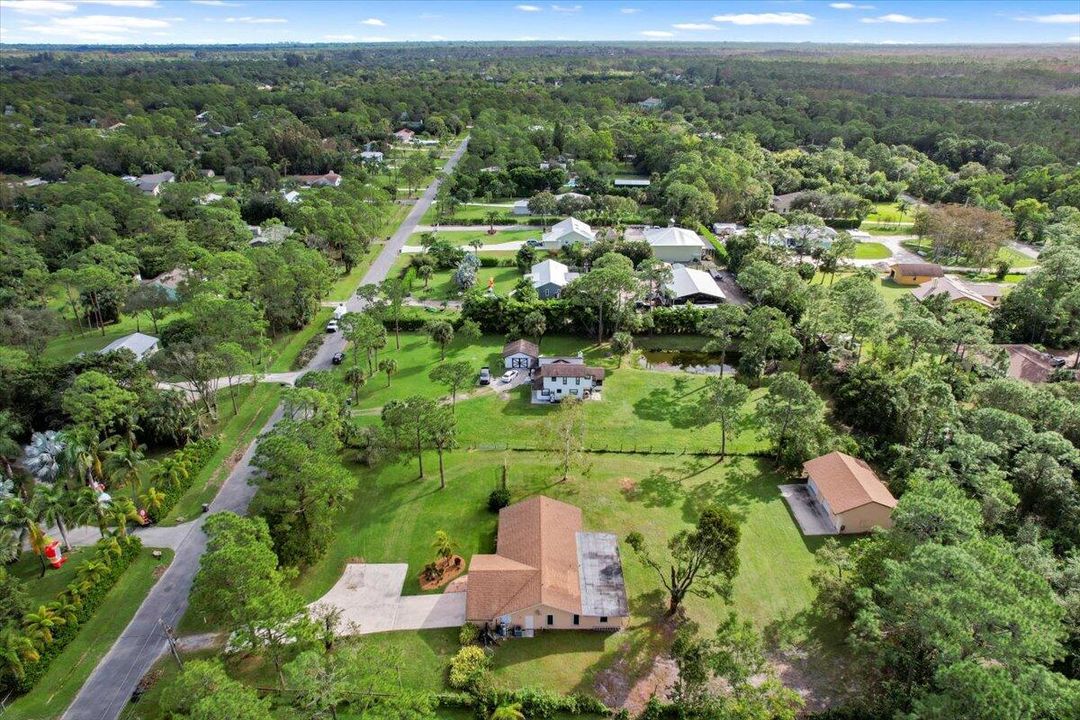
171, 638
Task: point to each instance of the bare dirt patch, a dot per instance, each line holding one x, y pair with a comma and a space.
627, 485
446, 570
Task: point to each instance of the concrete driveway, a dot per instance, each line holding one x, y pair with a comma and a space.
369, 597
808, 513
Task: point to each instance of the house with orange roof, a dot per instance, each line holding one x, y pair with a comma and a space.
849, 492
547, 573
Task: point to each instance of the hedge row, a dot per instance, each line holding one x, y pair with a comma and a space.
197, 453
307, 352
115, 557
502, 220
535, 703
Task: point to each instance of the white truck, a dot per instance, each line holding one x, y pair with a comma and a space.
339, 311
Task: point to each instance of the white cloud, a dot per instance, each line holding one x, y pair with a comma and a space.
849, 6
249, 20
438, 38
527, 8
1074, 38
38, 7
629, 11
98, 28
694, 26
566, 8
657, 33
901, 19
373, 21
1058, 19
781, 18
339, 38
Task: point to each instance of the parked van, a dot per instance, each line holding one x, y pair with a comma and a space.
339, 311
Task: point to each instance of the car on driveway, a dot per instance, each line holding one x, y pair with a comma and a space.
485, 376
332, 326
509, 375
338, 358
534, 242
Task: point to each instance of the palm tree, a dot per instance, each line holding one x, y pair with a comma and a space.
443, 545
424, 272
173, 470
10, 428
81, 458
476, 244
91, 571
16, 513
40, 625
508, 712
354, 375
123, 465
53, 505
492, 217
44, 455
120, 512
388, 366
16, 649
152, 499
90, 508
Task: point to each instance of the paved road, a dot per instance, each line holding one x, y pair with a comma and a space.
281, 378
110, 685
473, 228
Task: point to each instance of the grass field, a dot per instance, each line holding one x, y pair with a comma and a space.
55, 691
479, 211
440, 286
285, 348
44, 589
1015, 258
462, 238
871, 251
888, 212
236, 433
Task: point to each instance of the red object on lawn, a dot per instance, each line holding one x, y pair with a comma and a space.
54, 555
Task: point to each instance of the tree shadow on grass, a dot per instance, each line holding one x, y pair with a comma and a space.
680, 409
739, 488
657, 489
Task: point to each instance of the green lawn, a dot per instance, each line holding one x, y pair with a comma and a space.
871, 251
236, 433
55, 691
479, 211
285, 348
1015, 258
887, 212
70, 343
441, 285
44, 589
346, 285
462, 238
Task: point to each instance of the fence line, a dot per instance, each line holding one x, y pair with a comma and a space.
621, 450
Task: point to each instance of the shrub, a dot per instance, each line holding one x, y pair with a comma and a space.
469, 634
85, 604
197, 453
307, 352
468, 667
498, 499
489, 262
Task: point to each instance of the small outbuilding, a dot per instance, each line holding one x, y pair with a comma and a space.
140, 345
520, 354
914, 273
675, 244
849, 492
695, 287
567, 232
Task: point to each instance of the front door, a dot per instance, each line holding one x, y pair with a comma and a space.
528, 626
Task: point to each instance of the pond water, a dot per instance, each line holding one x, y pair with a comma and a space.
692, 361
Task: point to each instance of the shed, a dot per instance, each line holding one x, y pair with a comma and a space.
850, 493
520, 354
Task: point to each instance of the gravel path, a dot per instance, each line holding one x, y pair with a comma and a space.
109, 687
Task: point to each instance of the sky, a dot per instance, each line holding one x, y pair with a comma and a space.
322, 21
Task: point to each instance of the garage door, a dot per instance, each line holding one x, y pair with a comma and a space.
519, 362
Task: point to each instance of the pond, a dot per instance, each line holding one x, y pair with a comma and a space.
691, 361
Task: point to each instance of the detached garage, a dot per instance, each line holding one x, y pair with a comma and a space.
520, 354
849, 493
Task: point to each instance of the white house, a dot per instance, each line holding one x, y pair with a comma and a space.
550, 277
521, 207
292, 196
142, 346
695, 287
567, 232
330, 179
555, 381
371, 156
675, 244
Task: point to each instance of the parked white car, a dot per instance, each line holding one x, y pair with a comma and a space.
509, 375
332, 326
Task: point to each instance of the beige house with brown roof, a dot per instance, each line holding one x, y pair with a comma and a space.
849, 492
547, 573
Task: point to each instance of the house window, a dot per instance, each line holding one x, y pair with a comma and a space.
603, 618
577, 619
551, 619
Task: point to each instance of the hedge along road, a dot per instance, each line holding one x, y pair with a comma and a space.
108, 689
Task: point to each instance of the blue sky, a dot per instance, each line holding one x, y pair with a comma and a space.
268, 21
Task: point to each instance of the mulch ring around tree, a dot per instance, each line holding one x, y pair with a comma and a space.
441, 572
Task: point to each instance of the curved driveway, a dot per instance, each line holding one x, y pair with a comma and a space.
107, 690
